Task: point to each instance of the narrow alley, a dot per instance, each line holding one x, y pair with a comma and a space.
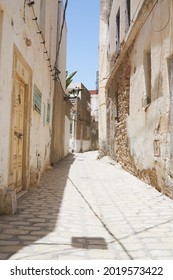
85, 208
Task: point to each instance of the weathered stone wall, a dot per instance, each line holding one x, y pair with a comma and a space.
139, 134
121, 151
121, 148
120, 89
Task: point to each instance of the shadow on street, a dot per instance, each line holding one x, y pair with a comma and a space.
37, 213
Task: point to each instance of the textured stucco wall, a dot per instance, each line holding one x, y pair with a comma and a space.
142, 135
103, 73
16, 25
58, 125
146, 126
66, 136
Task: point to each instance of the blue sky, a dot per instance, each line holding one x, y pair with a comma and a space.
82, 18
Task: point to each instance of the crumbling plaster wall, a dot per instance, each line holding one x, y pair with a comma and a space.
148, 128
142, 141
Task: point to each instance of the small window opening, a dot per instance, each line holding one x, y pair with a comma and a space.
147, 71
118, 31
71, 127
128, 10
128, 14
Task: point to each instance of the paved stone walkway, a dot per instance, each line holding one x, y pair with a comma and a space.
86, 209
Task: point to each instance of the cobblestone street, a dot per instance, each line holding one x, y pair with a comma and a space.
86, 208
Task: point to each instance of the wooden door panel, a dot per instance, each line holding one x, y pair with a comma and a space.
18, 127
19, 177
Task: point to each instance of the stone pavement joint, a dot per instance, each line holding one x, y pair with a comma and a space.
104, 225
85, 208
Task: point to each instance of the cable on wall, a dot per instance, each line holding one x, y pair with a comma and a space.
52, 69
168, 20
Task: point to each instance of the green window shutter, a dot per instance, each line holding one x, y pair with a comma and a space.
37, 100
48, 112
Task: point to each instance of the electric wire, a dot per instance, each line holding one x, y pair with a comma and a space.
43, 40
53, 69
167, 22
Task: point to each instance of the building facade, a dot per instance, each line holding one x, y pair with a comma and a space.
59, 105
94, 118
80, 130
67, 125
29, 81
135, 88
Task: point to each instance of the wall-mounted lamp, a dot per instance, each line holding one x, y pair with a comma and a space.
73, 93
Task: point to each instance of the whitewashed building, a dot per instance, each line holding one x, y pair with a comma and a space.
29, 71
80, 130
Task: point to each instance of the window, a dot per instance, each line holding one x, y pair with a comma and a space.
116, 107
37, 99
128, 101
170, 72
118, 31
147, 72
128, 14
71, 127
48, 112
44, 114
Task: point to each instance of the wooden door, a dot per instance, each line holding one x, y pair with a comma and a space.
17, 131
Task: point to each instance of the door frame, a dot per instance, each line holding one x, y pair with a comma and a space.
23, 72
